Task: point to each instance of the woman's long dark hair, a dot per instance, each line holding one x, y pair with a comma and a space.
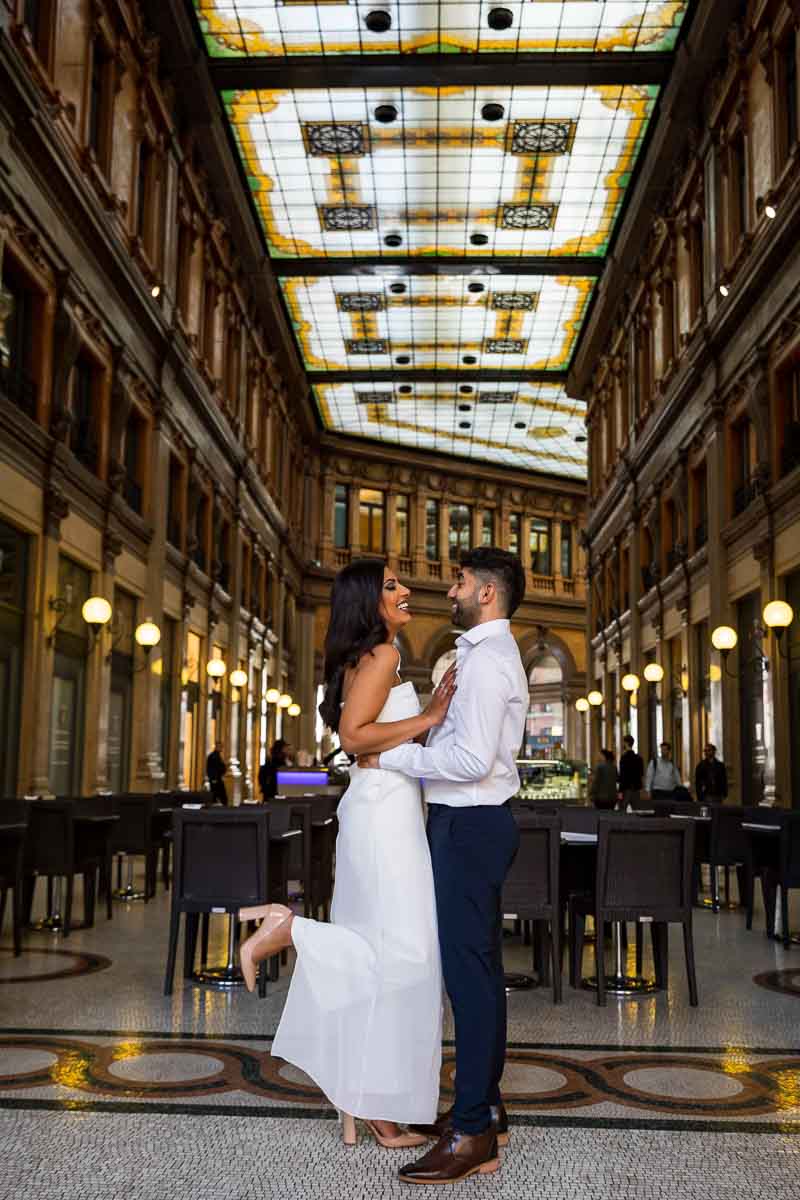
356, 627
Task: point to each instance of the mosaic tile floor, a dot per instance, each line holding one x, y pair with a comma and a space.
109, 1089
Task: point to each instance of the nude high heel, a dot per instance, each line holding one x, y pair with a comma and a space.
269, 938
348, 1125
401, 1141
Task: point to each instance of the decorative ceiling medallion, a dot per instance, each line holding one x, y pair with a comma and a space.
360, 302
515, 301
528, 216
366, 346
505, 346
278, 27
339, 218
541, 137
329, 139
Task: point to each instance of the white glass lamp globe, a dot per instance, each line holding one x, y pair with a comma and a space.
778, 615
96, 611
724, 638
595, 699
654, 672
148, 634
272, 696
630, 683
239, 678
285, 700
294, 710
216, 668
582, 704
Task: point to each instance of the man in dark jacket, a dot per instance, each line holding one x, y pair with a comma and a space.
631, 773
215, 770
710, 778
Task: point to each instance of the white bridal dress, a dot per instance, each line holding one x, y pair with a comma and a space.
364, 1010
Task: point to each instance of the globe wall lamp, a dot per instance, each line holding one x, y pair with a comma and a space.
582, 704
294, 710
653, 672
777, 616
215, 668
630, 682
595, 699
272, 696
96, 612
239, 678
285, 700
147, 635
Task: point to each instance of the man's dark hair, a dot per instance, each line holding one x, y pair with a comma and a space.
503, 568
628, 740
607, 755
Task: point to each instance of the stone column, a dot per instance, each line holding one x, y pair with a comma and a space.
417, 532
98, 682
306, 690
724, 690
390, 539
354, 533
147, 692
232, 726
555, 552
444, 539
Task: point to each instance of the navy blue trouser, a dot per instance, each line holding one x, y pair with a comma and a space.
471, 851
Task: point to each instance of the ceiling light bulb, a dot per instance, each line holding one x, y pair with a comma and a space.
724, 638
770, 212
723, 290
155, 291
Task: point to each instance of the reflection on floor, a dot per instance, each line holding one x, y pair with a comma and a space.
116, 1090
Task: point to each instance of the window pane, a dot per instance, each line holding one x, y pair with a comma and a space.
487, 528
514, 526
432, 530
459, 536
371, 519
401, 521
340, 517
566, 550
540, 546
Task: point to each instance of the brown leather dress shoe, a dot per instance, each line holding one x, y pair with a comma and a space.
455, 1156
443, 1123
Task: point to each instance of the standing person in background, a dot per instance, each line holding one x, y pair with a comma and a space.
279, 756
603, 791
215, 770
663, 777
710, 778
631, 773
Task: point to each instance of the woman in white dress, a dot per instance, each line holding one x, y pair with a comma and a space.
363, 1013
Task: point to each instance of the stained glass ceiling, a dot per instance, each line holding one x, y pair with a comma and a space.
269, 27
438, 186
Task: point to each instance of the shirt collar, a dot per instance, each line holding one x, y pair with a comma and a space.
486, 629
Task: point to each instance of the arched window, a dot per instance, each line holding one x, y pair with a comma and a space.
544, 728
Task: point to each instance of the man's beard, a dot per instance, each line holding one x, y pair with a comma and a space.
465, 613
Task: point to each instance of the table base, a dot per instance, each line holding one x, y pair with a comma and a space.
51, 924
229, 976
519, 983
727, 905
128, 894
623, 985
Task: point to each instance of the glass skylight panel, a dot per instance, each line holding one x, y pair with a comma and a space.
530, 426
331, 180
285, 27
427, 321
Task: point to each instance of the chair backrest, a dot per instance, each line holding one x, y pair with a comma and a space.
221, 857
790, 848
531, 889
14, 811
645, 868
576, 819
728, 841
50, 845
133, 832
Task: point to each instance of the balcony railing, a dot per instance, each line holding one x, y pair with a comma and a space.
674, 558
542, 583
19, 388
404, 565
341, 557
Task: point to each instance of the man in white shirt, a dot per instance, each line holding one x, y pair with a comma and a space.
469, 770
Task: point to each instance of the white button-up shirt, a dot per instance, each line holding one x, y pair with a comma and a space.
470, 758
